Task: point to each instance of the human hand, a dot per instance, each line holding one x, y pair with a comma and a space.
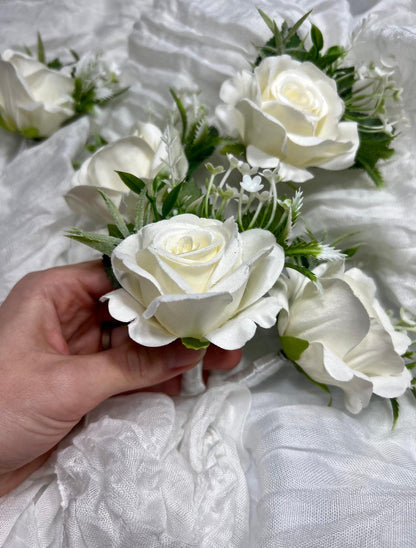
53, 368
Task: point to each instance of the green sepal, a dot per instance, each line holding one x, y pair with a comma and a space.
116, 215
395, 407
194, 344
30, 133
135, 184
293, 347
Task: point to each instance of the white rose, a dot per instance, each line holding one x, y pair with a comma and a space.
34, 99
143, 154
199, 278
288, 112
341, 336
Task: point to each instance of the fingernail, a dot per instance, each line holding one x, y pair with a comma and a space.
181, 356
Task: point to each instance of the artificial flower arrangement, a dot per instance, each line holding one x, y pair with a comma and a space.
38, 96
206, 253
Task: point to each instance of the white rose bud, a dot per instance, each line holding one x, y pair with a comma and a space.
34, 100
290, 112
143, 154
340, 335
188, 277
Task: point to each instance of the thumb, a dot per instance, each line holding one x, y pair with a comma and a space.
129, 366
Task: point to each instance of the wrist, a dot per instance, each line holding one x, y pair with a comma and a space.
11, 480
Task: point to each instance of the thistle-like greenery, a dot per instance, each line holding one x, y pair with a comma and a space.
364, 98
94, 83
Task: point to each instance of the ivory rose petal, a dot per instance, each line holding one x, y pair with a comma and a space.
143, 154
197, 278
348, 339
289, 113
34, 99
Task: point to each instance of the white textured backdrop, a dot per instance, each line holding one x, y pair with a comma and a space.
270, 466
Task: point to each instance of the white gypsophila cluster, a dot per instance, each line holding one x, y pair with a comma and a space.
97, 73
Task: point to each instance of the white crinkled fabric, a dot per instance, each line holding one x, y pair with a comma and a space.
259, 460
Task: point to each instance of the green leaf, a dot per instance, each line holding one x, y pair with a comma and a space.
236, 149
182, 113
98, 142
74, 54
317, 38
293, 347
293, 30
320, 385
41, 50
135, 184
194, 344
101, 242
411, 365
278, 39
139, 212
303, 270
106, 260
28, 51
396, 409
116, 215
269, 22
55, 64
170, 200
190, 192
351, 251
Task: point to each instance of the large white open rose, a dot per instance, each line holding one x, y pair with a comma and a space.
143, 154
188, 277
340, 335
288, 113
34, 100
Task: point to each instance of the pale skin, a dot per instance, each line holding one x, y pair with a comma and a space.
53, 369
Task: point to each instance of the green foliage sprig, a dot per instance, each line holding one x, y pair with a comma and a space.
364, 102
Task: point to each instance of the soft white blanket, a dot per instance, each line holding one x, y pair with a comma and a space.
259, 460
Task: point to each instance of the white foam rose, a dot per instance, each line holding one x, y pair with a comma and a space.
340, 335
34, 99
143, 154
288, 113
198, 278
